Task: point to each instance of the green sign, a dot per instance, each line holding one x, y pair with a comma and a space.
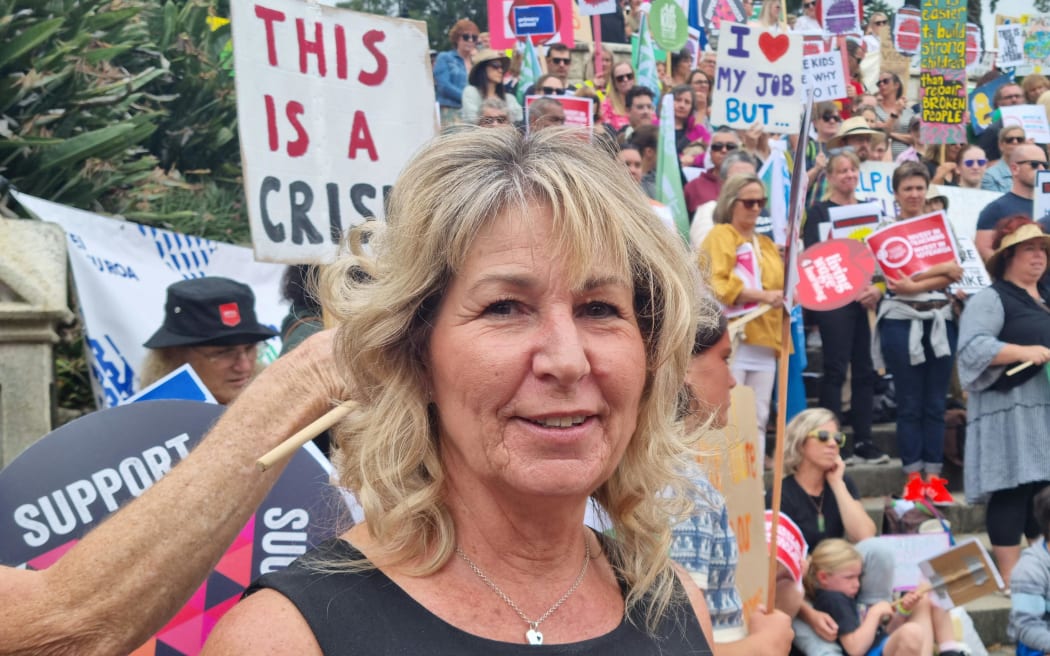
668, 25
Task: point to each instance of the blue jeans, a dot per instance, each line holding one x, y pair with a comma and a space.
921, 392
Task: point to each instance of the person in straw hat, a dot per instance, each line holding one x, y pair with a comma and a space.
486, 81
854, 134
1007, 454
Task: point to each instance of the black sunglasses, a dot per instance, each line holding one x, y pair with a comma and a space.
879, 23
1034, 163
823, 435
884, 81
552, 91
808, 5
1013, 140
832, 117
719, 147
752, 203
470, 37
561, 60
496, 63
625, 77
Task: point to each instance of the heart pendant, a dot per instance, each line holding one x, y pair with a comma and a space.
534, 637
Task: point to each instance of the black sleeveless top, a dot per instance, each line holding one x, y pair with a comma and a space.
353, 613
1026, 322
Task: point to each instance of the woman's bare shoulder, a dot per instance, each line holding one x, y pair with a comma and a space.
264, 623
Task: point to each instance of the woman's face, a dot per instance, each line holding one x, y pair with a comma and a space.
887, 86
972, 165
878, 150
1037, 90
467, 43
683, 106
911, 196
822, 454
828, 125
748, 206
494, 71
632, 159
1028, 263
701, 85
871, 117
844, 176
710, 380
623, 77
537, 382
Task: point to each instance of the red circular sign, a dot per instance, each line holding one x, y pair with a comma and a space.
833, 273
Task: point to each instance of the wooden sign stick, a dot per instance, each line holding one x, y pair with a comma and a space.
778, 453
286, 448
1019, 368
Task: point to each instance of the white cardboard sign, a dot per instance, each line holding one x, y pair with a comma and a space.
328, 106
824, 76
758, 80
1032, 118
1011, 45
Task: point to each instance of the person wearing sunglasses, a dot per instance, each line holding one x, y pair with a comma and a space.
807, 22
732, 247
1026, 161
825, 503
451, 67
486, 82
705, 187
614, 107
558, 61
998, 177
494, 114
878, 24
972, 163
893, 112
1007, 95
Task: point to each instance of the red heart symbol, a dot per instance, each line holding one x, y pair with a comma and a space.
773, 47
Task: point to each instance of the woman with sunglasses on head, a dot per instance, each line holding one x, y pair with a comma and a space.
733, 239
893, 112
972, 163
450, 69
824, 502
485, 82
614, 107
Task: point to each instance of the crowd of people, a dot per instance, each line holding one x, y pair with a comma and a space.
530, 339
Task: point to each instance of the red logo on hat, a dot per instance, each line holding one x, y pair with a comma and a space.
230, 314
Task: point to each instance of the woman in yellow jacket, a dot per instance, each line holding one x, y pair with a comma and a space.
746, 269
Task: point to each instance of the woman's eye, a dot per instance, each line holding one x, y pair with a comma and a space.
503, 308
600, 310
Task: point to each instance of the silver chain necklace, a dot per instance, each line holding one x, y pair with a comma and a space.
533, 635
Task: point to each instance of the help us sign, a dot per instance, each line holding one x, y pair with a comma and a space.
759, 80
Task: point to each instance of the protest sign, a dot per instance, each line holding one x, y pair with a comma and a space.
122, 270
907, 30
541, 21
907, 247
840, 17
1032, 118
963, 573
713, 12
824, 76
975, 275
579, 112
792, 549
981, 103
891, 60
1041, 200
943, 78
668, 25
328, 110
833, 273
183, 383
1011, 45
734, 466
1036, 43
854, 221
910, 550
597, 7
759, 80
973, 46
875, 183
72, 479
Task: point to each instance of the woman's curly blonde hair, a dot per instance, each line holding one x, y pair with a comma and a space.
389, 452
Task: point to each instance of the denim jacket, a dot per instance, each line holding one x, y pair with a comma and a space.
450, 76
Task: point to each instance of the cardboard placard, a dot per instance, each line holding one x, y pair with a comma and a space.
1036, 44
975, 275
910, 550
908, 247
1031, 118
824, 76
1011, 45
963, 573
328, 110
943, 79
907, 31
758, 80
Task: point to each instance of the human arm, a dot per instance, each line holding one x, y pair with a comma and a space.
983, 240
858, 642
1029, 586
942, 172
870, 297
770, 635
444, 76
265, 622
175, 532
822, 623
855, 520
936, 277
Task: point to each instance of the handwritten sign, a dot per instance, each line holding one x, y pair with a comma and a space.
905, 248
840, 17
1037, 42
1032, 118
1011, 45
906, 32
759, 80
975, 275
824, 76
328, 110
833, 273
943, 78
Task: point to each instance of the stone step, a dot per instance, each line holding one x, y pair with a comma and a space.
965, 519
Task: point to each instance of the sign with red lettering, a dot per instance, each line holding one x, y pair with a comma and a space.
543, 21
330, 107
73, 478
912, 246
832, 274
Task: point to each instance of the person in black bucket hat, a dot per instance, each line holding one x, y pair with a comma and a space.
209, 323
